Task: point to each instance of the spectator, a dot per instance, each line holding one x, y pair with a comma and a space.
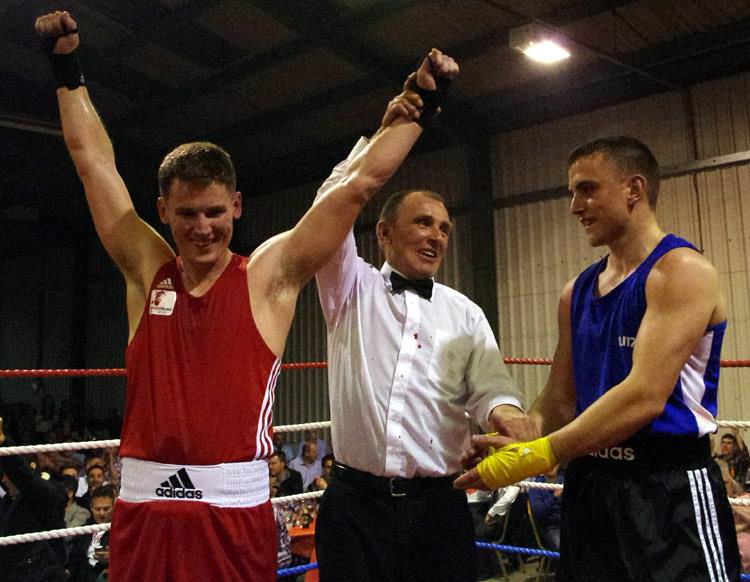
92, 459
75, 515
113, 466
284, 542
732, 487
307, 464
321, 482
31, 504
504, 498
735, 456
89, 557
71, 470
284, 481
479, 503
45, 419
94, 478
311, 436
288, 448
546, 509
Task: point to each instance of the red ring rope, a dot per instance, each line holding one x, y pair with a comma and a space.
40, 373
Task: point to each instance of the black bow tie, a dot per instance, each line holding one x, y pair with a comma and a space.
423, 287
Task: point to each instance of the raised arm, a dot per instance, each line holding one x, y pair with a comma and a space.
281, 266
308, 246
135, 247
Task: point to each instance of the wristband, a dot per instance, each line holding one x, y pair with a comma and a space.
432, 100
67, 70
515, 462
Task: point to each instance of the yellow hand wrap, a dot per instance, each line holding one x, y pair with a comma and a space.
515, 462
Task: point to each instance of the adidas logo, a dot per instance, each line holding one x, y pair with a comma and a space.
179, 486
165, 284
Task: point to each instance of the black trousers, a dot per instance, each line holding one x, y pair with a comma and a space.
368, 535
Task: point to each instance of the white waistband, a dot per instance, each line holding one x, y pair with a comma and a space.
224, 485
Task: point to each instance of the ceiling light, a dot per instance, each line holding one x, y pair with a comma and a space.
537, 43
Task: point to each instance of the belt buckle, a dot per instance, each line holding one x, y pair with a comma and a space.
395, 493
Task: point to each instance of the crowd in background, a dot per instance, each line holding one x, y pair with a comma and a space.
71, 489
51, 421
90, 481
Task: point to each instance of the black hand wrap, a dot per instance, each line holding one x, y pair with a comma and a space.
65, 67
432, 100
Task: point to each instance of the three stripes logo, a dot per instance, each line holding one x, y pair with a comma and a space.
179, 486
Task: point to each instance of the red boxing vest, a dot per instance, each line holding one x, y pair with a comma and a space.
200, 377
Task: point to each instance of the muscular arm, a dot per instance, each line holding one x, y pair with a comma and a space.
683, 298
279, 268
135, 247
555, 406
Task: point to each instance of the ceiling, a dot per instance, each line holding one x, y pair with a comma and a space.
285, 85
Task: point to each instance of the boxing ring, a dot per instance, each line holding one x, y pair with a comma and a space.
289, 499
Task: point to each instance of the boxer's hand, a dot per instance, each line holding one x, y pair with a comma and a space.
405, 105
60, 29
434, 66
508, 465
481, 446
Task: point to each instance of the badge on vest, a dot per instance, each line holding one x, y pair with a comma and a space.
162, 302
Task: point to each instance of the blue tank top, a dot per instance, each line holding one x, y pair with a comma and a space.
604, 331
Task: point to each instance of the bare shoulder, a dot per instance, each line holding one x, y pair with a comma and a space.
684, 277
566, 295
683, 265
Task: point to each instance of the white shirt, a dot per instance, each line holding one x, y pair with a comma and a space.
309, 471
402, 370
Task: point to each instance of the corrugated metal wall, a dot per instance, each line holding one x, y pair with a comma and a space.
540, 246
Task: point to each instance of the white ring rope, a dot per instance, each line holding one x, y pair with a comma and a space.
53, 534
539, 485
106, 444
103, 444
734, 423
306, 426
30, 449
87, 529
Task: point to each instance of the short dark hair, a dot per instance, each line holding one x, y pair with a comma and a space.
104, 491
92, 467
730, 436
69, 466
200, 161
70, 483
326, 458
629, 154
280, 454
389, 211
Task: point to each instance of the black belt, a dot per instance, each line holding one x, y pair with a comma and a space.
389, 486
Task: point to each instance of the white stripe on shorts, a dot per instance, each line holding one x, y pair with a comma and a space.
707, 524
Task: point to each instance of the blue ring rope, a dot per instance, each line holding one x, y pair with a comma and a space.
481, 545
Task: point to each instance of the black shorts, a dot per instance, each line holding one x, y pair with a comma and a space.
651, 510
